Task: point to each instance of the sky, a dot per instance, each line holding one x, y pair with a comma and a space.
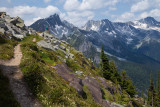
78, 12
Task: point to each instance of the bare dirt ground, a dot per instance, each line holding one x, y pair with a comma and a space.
19, 88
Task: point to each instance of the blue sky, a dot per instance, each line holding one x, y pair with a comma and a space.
78, 12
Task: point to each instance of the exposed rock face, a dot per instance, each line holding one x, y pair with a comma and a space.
92, 84
13, 27
108, 87
95, 89
74, 81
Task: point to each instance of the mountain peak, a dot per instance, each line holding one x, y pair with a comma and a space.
148, 20
54, 16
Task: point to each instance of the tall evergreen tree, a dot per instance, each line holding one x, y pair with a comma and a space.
158, 83
115, 77
105, 68
151, 92
127, 85
157, 93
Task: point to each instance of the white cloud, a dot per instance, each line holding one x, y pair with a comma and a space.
140, 6
9, 1
30, 14
141, 9
127, 16
112, 8
153, 13
46, 1
72, 5
79, 12
79, 18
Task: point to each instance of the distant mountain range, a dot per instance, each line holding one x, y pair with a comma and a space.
134, 42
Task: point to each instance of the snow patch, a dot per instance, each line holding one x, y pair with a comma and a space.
129, 40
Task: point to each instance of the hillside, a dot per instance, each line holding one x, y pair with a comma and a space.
132, 45
53, 73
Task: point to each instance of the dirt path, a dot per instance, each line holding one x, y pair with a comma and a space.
18, 86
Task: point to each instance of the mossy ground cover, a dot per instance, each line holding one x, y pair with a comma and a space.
6, 96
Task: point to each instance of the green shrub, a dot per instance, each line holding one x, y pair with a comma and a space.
56, 95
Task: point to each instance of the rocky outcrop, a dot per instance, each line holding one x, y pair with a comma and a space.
93, 85
74, 81
13, 27
50, 42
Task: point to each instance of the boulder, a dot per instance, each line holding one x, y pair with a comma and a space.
2, 30
55, 42
47, 35
2, 14
7, 18
62, 47
18, 36
45, 45
18, 22
32, 32
71, 56
2, 24
79, 72
107, 85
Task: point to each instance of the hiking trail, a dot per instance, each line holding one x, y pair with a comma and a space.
17, 84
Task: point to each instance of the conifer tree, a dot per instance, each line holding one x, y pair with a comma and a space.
105, 69
127, 84
151, 92
115, 77
157, 93
158, 84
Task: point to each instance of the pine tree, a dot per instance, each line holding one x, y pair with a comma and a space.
127, 84
115, 77
151, 92
157, 94
158, 84
105, 68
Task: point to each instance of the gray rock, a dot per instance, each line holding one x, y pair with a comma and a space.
116, 105
32, 32
107, 86
45, 45
19, 36
95, 89
17, 22
55, 42
2, 14
7, 18
2, 30
79, 72
62, 47
74, 81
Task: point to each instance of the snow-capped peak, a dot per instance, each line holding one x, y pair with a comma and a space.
92, 25
148, 23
